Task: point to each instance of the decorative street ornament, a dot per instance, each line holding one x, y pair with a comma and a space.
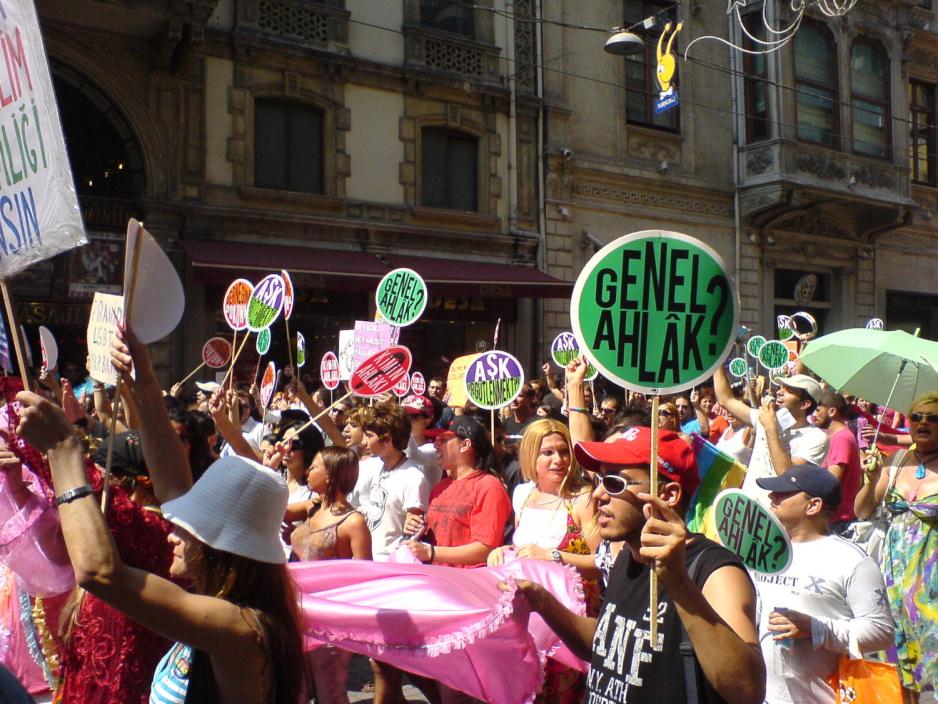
664, 73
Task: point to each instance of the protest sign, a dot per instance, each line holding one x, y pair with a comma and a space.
401, 297
48, 347
754, 345
738, 367
493, 380
783, 325
417, 383
874, 324
288, 294
235, 304
268, 384
371, 337
655, 311
266, 302
154, 300
565, 348
381, 371
402, 388
262, 344
456, 380
749, 530
329, 370
803, 326
773, 355
107, 314
300, 350
41, 216
5, 360
346, 354
216, 352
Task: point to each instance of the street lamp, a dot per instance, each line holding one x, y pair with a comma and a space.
624, 43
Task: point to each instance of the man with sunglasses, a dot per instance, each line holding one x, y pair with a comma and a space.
706, 598
523, 411
830, 600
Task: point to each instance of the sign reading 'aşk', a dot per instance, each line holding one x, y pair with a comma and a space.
494, 379
655, 310
381, 371
749, 530
564, 349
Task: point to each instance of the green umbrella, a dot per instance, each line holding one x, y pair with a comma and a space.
890, 368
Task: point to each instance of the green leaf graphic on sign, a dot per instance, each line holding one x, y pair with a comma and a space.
752, 532
263, 341
401, 297
260, 315
655, 310
738, 367
754, 345
773, 355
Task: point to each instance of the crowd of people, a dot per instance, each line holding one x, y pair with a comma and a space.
180, 590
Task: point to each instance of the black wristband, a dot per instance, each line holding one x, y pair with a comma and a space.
432, 554
73, 494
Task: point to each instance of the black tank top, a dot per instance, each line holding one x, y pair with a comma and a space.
624, 668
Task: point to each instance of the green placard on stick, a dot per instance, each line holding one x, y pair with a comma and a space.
262, 344
738, 367
656, 311
773, 355
754, 345
749, 530
401, 297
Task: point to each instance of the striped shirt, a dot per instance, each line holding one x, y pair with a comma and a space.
171, 679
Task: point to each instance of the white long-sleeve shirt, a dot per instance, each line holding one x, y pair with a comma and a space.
842, 589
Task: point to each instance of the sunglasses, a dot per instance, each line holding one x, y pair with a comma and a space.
927, 417
665, 413
613, 484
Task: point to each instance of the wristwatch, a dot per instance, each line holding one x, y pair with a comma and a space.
556, 556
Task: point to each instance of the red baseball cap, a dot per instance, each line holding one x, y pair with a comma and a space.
676, 460
418, 405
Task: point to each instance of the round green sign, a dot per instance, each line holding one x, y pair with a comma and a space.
750, 531
754, 345
738, 367
262, 344
656, 311
773, 355
401, 297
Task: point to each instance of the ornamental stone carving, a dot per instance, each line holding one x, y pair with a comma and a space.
814, 222
821, 167
759, 161
874, 178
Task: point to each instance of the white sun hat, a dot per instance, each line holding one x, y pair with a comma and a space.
236, 506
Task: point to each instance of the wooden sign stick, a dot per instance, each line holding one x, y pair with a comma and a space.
234, 346
15, 333
134, 265
653, 490
234, 359
191, 374
291, 434
289, 347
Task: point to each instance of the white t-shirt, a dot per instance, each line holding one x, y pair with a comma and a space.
808, 442
425, 456
253, 432
842, 589
385, 497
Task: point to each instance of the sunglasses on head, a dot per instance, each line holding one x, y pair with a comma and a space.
614, 484
919, 417
665, 413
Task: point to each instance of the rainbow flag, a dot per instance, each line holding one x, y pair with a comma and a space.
718, 471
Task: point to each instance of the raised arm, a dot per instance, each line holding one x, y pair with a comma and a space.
205, 623
220, 405
721, 386
325, 421
581, 430
164, 453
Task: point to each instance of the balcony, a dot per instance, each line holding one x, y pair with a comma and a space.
295, 24
451, 55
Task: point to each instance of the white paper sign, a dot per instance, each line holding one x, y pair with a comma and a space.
159, 300
346, 354
372, 337
107, 313
40, 210
48, 347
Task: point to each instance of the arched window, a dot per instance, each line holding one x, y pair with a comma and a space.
449, 165
816, 85
454, 16
869, 98
288, 146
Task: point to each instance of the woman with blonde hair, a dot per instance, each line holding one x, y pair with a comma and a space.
554, 516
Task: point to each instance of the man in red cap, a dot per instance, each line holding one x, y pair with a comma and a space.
706, 598
420, 449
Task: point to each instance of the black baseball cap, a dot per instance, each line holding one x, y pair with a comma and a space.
809, 478
468, 428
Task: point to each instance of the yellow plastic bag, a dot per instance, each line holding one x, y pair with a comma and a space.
865, 682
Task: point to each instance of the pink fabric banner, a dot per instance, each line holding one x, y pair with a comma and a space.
454, 626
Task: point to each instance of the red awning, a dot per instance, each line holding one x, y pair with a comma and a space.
354, 271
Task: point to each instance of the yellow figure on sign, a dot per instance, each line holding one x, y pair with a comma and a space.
667, 64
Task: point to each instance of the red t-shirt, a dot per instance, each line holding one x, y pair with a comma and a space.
843, 450
717, 425
473, 509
